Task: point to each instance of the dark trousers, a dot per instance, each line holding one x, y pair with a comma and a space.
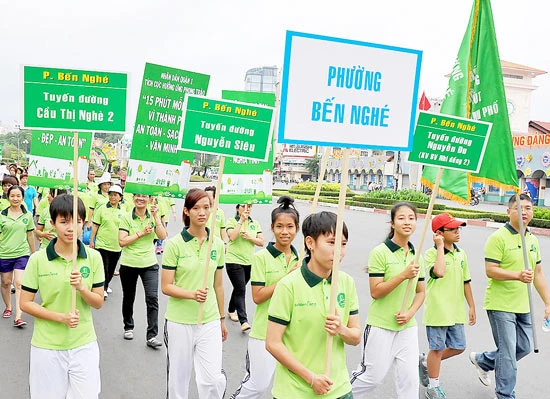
110, 259
239, 276
150, 279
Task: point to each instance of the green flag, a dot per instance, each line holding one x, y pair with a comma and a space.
476, 91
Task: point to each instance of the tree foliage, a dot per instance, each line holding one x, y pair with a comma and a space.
312, 166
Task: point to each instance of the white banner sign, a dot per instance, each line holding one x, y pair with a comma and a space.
345, 93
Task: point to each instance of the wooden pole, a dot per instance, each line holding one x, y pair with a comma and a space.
526, 266
427, 222
75, 215
337, 252
211, 237
320, 180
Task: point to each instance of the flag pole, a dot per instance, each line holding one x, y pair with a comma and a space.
75, 216
211, 234
526, 265
337, 254
427, 222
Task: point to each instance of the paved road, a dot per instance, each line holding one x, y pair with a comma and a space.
131, 370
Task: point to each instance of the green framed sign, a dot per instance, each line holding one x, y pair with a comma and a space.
449, 142
156, 165
51, 158
248, 180
229, 128
71, 99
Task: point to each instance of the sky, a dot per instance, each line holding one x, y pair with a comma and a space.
225, 38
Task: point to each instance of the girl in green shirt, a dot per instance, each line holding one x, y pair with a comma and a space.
190, 341
268, 267
244, 233
391, 335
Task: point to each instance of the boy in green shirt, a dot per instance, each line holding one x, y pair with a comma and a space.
448, 285
64, 359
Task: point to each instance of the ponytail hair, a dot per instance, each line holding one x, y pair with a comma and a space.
286, 205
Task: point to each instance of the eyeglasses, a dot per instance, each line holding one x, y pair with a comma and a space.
523, 208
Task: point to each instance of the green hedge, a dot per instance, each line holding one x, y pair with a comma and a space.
197, 178
384, 203
311, 186
323, 193
400, 195
388, 201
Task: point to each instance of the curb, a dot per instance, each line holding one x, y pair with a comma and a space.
472, 222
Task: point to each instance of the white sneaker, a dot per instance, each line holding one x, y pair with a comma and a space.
105, 294
128, 334
109, 290
482, 374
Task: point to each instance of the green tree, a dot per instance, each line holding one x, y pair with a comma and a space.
203, 162
112, 138
312, 166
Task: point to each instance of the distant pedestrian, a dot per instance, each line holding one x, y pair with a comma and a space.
138, 260
16, 245
104, 237
244, 234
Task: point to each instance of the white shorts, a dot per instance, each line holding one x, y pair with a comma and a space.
60, 374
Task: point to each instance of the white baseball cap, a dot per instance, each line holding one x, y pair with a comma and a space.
105, 178
115, 188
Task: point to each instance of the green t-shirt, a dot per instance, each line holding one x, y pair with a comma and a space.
45, 220
387, 260
107, 218
183, 254
268, 267
44, 204
128, 202
220, 222
13, 234
504, 247
140, 253
97, 200
241, 251
301, 302
49, 273
4, 202
444, 304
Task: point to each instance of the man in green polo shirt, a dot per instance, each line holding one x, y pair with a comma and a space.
64, 353
507, 299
